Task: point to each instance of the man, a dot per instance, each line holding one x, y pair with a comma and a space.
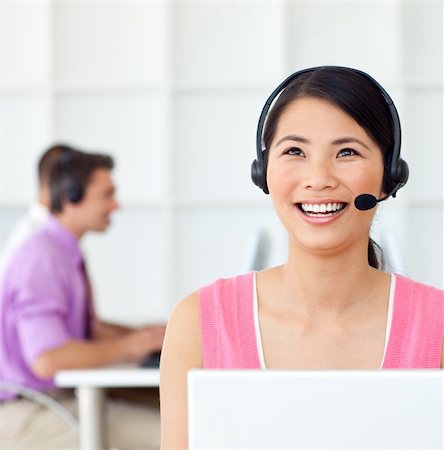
39, 210
47, 320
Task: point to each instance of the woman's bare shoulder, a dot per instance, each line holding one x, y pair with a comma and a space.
269, 276
183, 331
188, 307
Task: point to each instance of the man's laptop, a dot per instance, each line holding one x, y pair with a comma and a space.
316, 410
151, 361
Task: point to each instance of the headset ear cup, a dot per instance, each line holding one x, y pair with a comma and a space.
74, 191
397, 176
402, 172
74, 195
258, 175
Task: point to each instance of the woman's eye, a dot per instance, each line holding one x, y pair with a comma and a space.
347, 152
295, 151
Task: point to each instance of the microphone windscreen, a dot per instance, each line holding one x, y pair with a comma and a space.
364, 202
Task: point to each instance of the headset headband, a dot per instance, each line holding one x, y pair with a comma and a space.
393, 112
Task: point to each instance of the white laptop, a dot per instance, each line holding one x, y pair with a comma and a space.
316, 410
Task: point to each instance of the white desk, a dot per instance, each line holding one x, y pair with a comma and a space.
89, 384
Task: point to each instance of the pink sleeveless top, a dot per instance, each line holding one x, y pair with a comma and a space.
229, 338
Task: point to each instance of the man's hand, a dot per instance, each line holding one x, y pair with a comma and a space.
139, 343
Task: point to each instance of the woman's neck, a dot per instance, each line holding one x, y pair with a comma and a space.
329, 282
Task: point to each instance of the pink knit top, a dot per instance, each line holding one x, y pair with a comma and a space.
229, 339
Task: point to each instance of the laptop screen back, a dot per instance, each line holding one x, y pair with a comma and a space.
316, 410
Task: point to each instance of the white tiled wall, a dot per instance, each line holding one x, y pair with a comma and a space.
173, 90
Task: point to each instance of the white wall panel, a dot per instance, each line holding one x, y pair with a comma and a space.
108, 42
423, 41
361, 34
24, 133
174, 90
214, 145
227, 42
129, 126
24, 43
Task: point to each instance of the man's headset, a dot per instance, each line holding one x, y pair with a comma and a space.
399, 170
74, 189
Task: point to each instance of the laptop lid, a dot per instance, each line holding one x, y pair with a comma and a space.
315, 410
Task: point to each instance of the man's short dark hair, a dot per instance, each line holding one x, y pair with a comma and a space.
71, 174
47, 160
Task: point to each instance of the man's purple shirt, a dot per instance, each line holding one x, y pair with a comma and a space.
42, 302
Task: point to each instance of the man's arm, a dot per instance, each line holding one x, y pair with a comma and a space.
103, 330
132, 346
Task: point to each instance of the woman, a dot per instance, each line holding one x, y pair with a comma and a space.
330, 146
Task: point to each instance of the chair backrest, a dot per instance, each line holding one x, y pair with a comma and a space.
393, 259
43, 399
257, 252
259, 245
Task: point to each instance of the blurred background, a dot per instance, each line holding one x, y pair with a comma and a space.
173, 91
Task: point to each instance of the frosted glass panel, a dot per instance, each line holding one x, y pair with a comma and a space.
109, 42
127, 265
423, 143
227, 41
360, 34
423, 35
24, 43
129, 127
216, 241
388, 230
214, 145
24, 134
425, 244
8, 218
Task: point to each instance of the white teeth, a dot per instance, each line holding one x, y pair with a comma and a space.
322, 207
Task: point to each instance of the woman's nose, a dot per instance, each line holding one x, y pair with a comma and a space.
319, 176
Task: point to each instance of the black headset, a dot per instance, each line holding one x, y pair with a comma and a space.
399, 170
74, 189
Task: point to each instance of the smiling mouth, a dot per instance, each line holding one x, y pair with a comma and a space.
321, 209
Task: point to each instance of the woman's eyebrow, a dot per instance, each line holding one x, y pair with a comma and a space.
293, 137
348, 140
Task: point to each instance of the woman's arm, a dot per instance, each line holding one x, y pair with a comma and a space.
181, 351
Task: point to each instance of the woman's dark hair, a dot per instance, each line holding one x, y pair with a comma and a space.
71, 174
357, 96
